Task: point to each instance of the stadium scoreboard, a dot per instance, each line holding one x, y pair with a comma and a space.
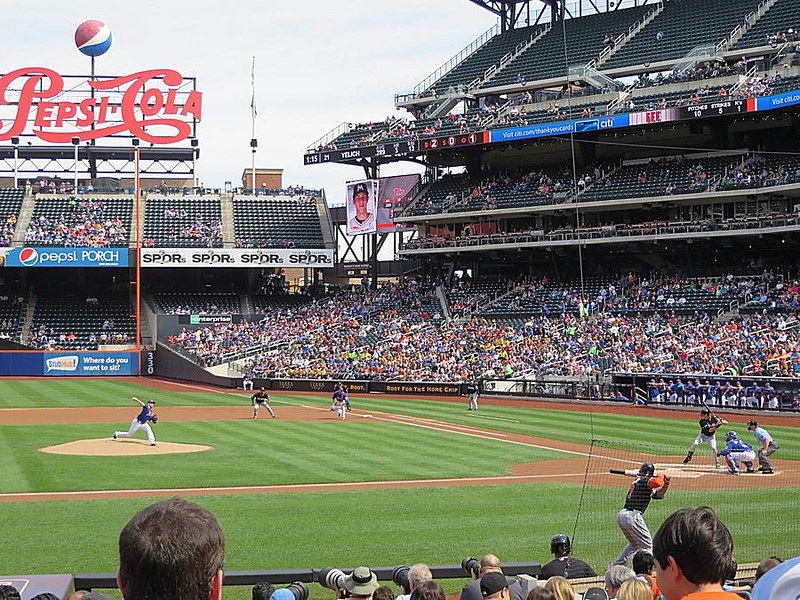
454, 141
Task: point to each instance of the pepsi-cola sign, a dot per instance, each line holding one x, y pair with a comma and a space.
63, 257
150, 105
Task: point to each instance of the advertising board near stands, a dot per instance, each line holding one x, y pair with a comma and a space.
318, 258
63, 257
151, 105
69, 364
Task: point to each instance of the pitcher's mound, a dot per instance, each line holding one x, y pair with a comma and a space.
122, 447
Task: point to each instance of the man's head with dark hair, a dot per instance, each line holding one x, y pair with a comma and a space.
383, 593
9, 592
428, 590
767, 564
643, 562
262, 590
171, 550
694, 552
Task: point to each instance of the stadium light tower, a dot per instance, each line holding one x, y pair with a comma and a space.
15, 143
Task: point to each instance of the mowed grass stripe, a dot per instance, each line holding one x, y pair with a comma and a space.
432, 525
248, 452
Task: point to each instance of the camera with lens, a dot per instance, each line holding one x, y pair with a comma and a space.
400, 578
472, 566
331, 578
299, 590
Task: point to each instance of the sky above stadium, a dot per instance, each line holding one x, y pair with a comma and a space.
318, 63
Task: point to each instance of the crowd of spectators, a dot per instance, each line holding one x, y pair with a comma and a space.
7, 230
202, 229
631, 326
83, 223
755, 172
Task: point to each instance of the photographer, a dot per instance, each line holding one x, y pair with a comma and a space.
416, 575
361, 583
488, 564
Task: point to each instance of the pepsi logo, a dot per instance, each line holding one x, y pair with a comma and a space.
93, 37
28, 257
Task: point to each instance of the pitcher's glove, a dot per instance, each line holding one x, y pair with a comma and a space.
154, 419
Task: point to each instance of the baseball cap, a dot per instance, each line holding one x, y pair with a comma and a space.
361, 582
752, 423
595, 593
151, 402
779, 583
491, 583
282, 594
360, 188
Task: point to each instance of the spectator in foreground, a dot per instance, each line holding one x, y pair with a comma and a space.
361, 583
171, 550
694, 552
561, 588
9, 592
634, 589
490, 564
417, 575
615, 576
262, 590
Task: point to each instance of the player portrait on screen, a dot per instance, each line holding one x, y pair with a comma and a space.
361, 208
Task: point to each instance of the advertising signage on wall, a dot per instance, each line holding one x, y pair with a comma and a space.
152, 105
63, 257
237, 257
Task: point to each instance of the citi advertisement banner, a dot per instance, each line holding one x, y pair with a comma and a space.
64, 257
236, 257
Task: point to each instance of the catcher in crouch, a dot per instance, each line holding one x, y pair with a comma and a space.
142, 421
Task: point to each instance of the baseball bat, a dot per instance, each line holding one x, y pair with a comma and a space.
633, 472
711, 412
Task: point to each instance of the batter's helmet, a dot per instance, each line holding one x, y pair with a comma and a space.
647, 469
705, 411
731, 435
560, 544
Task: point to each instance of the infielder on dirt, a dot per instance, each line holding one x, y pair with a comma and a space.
630, 518
261, 400
142, 421
709, 423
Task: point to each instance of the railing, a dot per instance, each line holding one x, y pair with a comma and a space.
622, 38
743, 79
453, 62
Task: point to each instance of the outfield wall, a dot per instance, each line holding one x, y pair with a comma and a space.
34, 363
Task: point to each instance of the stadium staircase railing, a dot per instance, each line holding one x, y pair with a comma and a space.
749, 21
623, 38
452, 63
510, 56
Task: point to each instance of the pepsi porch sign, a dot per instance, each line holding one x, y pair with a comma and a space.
64, 257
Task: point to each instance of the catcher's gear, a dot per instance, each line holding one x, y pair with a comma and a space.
647, 469
154, 419
731, 435
560, 544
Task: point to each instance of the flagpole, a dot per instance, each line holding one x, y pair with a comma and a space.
253, 113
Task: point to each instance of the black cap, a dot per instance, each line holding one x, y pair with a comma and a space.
360, 188
491, 583
752, 423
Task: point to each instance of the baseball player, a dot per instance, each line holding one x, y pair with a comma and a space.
339, 404
141, 421
709, 423
768, 446
736, 451
346, 397
647, 486
473, 393
261, 400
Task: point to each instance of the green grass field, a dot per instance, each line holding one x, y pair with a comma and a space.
379, 527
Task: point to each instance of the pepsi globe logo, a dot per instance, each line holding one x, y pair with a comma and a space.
93, 37
28, 257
